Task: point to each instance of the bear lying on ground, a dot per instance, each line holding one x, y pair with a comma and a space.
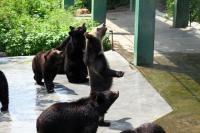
3, 92
73, 47
80, 116
147, 128
45, 66
101, 76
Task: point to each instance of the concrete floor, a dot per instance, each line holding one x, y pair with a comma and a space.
138, 101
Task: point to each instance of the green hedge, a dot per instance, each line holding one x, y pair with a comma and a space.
195, 10
111, 4
29, 26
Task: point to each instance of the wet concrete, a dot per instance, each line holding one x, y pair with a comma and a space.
138, 101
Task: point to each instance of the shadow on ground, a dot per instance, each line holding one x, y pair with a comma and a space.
121, 124
177, 77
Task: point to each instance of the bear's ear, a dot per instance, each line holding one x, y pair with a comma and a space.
87, 35
84, 27
71, 28
62, 54
98, 97
98, 29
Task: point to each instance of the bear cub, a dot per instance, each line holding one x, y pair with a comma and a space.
3, 92
73, 47
101, 76
80, 116
147, 128
45, 66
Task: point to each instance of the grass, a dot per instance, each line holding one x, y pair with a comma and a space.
177, 78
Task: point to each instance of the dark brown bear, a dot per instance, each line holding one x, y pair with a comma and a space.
147, 128
80, 116
73, 47
3, 92
101, 76
45, 66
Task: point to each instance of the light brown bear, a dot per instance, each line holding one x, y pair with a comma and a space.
101, 76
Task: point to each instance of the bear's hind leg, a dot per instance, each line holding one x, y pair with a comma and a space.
4, 102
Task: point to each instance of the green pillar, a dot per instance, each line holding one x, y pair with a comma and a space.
99, 9
144, 32
68, 3
181, 14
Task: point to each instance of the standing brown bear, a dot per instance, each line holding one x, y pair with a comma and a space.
45, 66
101, 76
73, 47
80, 116
3, 92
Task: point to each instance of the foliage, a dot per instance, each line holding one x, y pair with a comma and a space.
29, 26
194, 9
82, 4
111, 4
170, 7
106, 43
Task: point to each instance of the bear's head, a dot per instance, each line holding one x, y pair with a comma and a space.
94, 39
104, 100
99, 32
54, 57
93, 44
77, 35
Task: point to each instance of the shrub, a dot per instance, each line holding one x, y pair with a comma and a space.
111, 4
194, 9
170, 7
106, 43
29, 26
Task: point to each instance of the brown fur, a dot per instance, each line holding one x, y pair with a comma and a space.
45, 66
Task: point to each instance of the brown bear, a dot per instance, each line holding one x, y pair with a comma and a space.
73, 47
147, 128
101, 76
45, 66
80, 116
3, 92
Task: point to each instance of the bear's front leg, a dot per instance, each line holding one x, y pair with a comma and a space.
48, 80
102, 122
113, 73
92, 128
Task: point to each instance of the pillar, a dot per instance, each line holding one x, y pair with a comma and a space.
99, 9
68, 3
144, 32
181, 14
